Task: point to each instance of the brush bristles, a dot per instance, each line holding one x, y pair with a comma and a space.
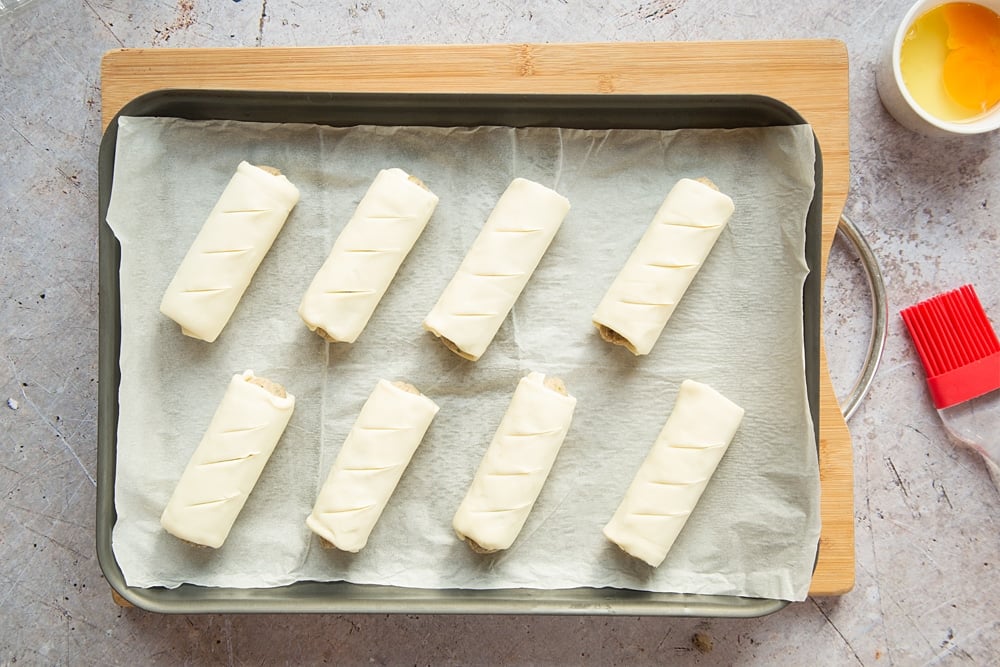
950, 331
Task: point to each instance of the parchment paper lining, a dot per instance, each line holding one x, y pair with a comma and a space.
739, 329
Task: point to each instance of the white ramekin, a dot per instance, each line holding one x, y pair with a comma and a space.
897, 99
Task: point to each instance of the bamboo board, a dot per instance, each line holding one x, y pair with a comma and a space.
809, 75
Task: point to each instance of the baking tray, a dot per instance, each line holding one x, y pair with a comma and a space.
654, 112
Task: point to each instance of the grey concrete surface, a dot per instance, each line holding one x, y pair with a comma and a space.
928, 588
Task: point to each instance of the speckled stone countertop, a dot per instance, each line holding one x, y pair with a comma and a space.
928, 541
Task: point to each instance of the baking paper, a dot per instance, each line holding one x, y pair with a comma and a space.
738, 329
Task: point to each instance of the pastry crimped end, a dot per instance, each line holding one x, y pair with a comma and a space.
634, 546
406, 386
413, 179
611, 336
451, 345
476, 547
270, 386
322, 333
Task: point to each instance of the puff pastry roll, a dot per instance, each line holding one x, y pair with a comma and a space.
672, 478
642, 298
226, 252
497, 267
344, 293
368, 467
228, 461
516, 464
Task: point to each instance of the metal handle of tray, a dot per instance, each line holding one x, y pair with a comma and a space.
880, 316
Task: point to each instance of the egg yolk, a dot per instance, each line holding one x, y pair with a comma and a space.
972, 67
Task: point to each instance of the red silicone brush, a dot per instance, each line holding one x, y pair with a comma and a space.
961, 355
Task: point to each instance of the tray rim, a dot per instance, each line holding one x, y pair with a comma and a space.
392, 599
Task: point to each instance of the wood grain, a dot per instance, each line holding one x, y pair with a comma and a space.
809, 75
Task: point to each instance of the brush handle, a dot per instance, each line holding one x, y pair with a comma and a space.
976, 423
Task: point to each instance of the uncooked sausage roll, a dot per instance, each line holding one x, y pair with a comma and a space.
344, 293
369, 465
516, 464
228, 461
497, 267
642, 298
672, 478
226, 252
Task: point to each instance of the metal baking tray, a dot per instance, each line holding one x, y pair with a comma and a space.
656, 112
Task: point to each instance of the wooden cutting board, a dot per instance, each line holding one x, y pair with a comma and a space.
809, 75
